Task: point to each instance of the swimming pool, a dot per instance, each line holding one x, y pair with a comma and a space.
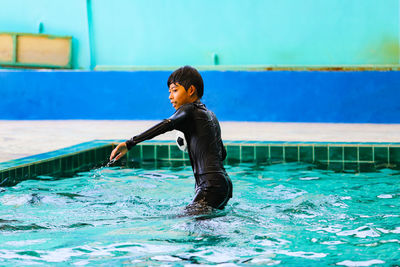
289, 214
293, 204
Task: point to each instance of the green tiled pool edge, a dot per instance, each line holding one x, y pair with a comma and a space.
355, 157
63, 161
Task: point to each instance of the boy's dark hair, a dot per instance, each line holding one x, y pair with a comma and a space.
187, 76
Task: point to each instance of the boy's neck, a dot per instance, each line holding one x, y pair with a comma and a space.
194, 100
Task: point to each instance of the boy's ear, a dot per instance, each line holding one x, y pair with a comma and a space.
192, 90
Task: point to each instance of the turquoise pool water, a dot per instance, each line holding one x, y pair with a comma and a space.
288, 214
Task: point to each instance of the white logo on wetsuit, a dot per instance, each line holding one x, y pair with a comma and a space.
181, 141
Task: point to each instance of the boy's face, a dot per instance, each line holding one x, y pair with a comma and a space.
179, 96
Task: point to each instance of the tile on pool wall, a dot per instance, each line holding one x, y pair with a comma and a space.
50, 167
262, 154
306, 154
247, 154
351, 166
276, 154
101, 155
323, 165
233, 153
350, 153
92, 155
5, 178
365, 153
135, 153
19, 174
367, 167
57, 166
39, 169
175, 152
25, 172
320, 153
12, 176
394, 155
335, 153
8, 178
162, 152
186, 156
291, 153
66, 165
337, 166
148, 152
32, 170
81, 161
85, 158
75, 162
381, 155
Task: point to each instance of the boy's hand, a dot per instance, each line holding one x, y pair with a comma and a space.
119, 151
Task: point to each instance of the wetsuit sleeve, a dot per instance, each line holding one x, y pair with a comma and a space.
180, 117
174, 122
157, 129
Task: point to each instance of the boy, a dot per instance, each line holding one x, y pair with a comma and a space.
202, 133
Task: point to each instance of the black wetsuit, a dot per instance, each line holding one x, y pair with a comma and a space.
206, 151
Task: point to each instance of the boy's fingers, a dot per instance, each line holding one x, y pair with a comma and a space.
113, 153
119, 149
118, 156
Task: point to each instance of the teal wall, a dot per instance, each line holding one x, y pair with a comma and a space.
240, 32
247, 32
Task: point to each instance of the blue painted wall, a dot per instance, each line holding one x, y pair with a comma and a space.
363, 97
241, 32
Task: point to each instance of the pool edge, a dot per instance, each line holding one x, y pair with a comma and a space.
337, 156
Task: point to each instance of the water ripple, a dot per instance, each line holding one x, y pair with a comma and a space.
360, 263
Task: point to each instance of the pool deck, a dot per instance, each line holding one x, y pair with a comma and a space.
24, 138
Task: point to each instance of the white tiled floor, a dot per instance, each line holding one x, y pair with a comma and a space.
23, 138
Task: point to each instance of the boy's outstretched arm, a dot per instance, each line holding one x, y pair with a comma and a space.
175, 120
122, 148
